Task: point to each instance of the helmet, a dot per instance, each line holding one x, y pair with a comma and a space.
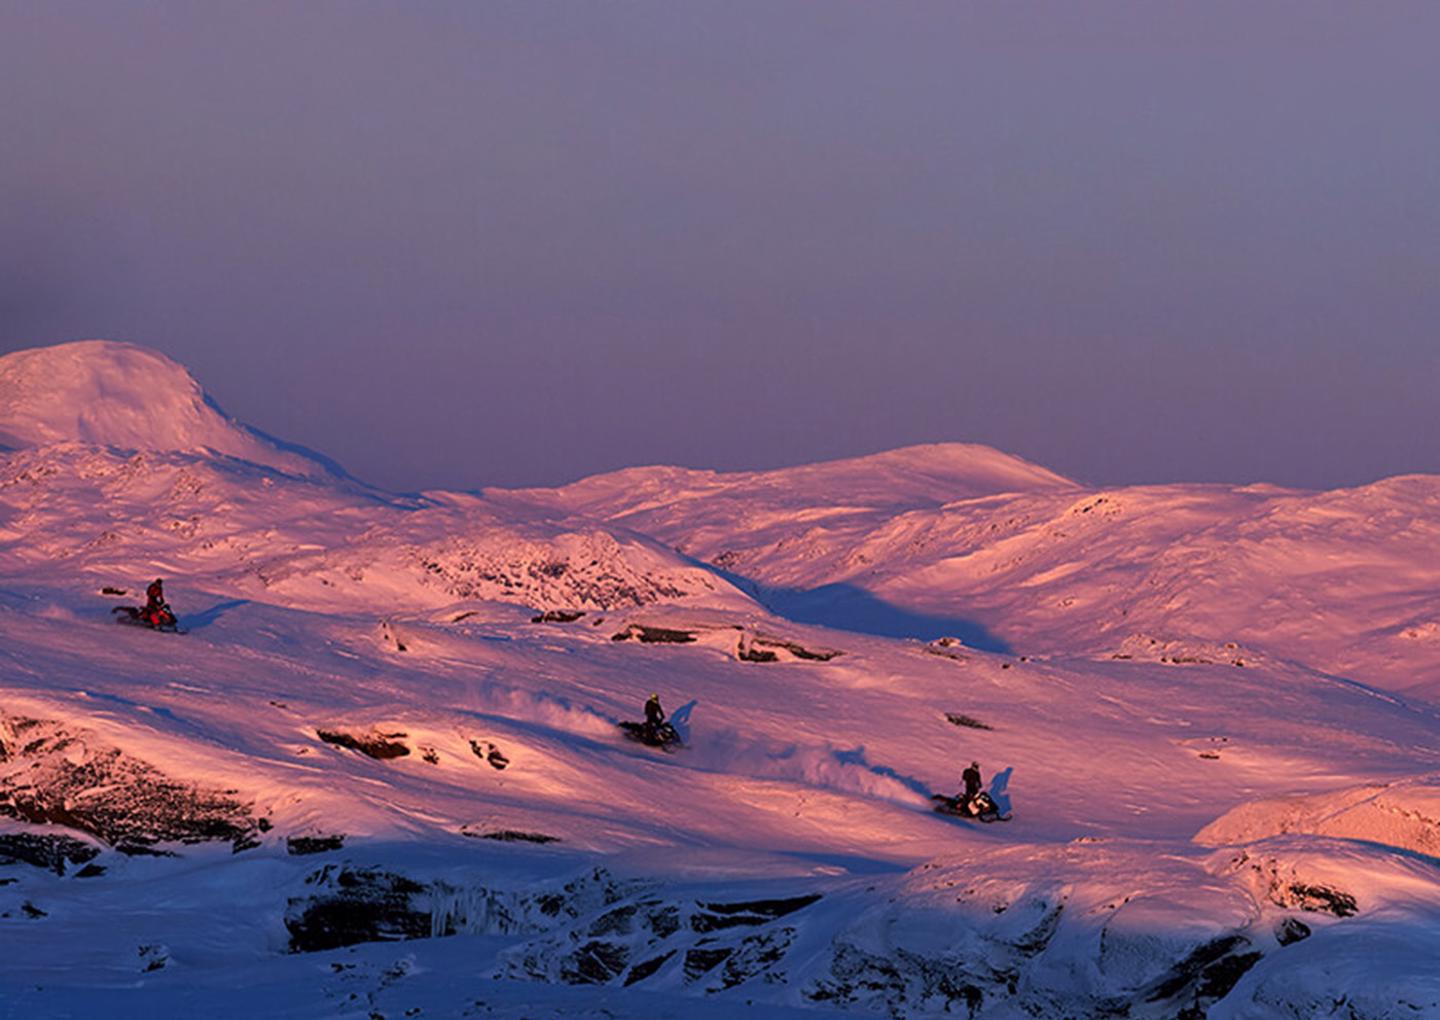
654, 697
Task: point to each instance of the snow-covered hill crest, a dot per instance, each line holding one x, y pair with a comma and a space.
107, 393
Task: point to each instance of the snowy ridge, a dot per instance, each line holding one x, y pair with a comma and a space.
114, 394
1346, 581
304, 542
381, 772
1405, 814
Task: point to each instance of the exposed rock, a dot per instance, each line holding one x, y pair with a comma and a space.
1318, 899
702, 961
654, 635
63, 777
641, 971
44, 850
595, 963
970, 722
153, 957
714, 916
1207, 974
797, 650
514, 836
947, 648
298, 846
753, 654
765, 648
1291, 930
489, 753
355, 906
558, 616
380, 746
717, 944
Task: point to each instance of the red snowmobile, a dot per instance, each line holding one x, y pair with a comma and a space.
155, 613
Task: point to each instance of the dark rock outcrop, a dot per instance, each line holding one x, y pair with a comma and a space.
57, 776
380, 746
52, 852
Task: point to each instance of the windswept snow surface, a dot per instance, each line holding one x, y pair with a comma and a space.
380, 772
120, 395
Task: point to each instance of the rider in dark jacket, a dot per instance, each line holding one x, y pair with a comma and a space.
971, 778
654, 716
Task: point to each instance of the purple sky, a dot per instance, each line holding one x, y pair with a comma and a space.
460, 244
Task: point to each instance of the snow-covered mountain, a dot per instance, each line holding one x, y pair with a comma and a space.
1347, 582
381, 774
126, 397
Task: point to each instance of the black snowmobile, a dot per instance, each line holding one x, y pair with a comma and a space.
160, 618
662, 736
980, 807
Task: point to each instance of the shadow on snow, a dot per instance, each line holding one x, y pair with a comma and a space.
849, 607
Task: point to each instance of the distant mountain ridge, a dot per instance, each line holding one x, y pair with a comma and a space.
933, 473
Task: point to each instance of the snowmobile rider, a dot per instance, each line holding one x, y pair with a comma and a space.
654, 717
971, 778
154, 600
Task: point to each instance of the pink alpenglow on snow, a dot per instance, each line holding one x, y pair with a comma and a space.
382, 771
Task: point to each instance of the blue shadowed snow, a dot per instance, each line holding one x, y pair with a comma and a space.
849, 607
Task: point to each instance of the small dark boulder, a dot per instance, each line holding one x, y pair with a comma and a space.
298, 846
558, 616
514, 836
654, 635
1291, 930
380, 746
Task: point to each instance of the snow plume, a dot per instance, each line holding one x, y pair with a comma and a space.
540, 708
843, 770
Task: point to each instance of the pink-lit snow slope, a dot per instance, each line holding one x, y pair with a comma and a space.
380, 772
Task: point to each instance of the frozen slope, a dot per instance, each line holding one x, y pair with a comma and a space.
1347, 582
113, 394
802, 779
371, 779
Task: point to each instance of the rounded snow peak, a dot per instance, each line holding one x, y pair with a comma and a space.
107, 393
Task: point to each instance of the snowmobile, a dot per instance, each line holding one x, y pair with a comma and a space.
981, 807
663, 736
161, 618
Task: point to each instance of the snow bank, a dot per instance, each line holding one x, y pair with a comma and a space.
1405, 814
